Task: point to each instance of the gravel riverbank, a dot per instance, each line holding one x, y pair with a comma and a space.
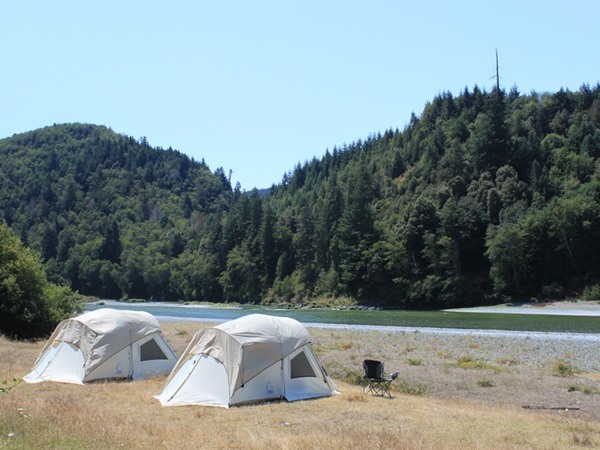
554, 371
531, 348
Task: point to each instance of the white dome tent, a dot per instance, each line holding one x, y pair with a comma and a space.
253, 358
106, 343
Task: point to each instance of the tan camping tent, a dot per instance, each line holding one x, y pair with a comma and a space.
106, 343
255, 357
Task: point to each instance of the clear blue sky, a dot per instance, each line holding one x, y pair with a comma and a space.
258, 86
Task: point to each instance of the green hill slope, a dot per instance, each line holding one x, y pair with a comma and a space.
484, 196
107, 213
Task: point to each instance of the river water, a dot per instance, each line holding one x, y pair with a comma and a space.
372, 319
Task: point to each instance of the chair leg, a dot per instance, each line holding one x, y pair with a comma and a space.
369, 388
380, 388
386, 390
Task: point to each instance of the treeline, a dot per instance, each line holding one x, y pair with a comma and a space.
485, 195
30, 306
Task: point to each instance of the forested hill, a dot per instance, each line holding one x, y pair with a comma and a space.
110, 215
484, 196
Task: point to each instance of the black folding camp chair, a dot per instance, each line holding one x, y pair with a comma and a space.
377, 382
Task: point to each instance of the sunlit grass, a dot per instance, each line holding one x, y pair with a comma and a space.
109, 415
123, 415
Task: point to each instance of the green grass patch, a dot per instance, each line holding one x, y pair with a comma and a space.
563, 368
485, 383
584, 388
343, 373
468, 362
4, 387
413, 361
410, 389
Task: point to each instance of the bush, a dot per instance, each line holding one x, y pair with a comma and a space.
591, 292
552, 291
467, 362
562, 368
30, 306
485, 383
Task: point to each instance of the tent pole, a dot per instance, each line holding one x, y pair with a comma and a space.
282, 390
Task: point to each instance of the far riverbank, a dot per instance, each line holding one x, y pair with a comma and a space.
461, 319
558, 308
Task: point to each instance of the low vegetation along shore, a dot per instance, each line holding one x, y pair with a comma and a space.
455, 390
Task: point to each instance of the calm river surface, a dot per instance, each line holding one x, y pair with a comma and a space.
394, 318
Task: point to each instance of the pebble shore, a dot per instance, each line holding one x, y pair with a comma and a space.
582, 350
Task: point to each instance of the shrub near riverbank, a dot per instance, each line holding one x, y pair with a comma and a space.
453, 411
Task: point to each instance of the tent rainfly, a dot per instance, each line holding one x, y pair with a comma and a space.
256, 357
106, 343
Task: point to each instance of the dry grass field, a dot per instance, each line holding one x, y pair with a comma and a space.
447, 397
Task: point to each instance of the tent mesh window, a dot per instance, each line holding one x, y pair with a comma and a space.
300, 367
150, 350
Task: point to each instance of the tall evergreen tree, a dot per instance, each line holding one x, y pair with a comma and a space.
356, 231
